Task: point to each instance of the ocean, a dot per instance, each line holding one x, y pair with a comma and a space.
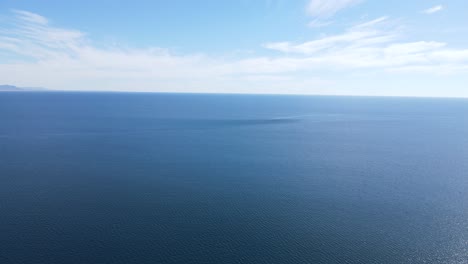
91, 178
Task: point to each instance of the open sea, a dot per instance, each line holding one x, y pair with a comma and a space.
136, 178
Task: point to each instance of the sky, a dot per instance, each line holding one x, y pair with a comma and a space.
324, 47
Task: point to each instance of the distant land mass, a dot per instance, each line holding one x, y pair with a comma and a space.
12, 88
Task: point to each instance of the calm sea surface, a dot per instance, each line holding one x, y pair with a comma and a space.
91, 178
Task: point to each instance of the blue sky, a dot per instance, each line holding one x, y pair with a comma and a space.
337, 47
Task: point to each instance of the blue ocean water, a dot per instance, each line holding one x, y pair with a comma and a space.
167, 178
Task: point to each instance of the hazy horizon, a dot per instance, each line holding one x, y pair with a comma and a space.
44, 89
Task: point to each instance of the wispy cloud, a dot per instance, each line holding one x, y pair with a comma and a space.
433, 9
31, 17
58, 57
374, 44
323, 10
50, 56
327, 8
358, 36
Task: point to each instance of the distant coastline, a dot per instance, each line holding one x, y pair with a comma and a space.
12, 88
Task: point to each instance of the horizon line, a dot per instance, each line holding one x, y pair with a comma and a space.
46, 90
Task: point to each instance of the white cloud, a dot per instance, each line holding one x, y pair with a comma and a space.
60, 58
433, 9
371, 23
31, 17
363, 34
373, 45
327, 8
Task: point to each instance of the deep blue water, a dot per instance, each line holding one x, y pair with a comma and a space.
165, 178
